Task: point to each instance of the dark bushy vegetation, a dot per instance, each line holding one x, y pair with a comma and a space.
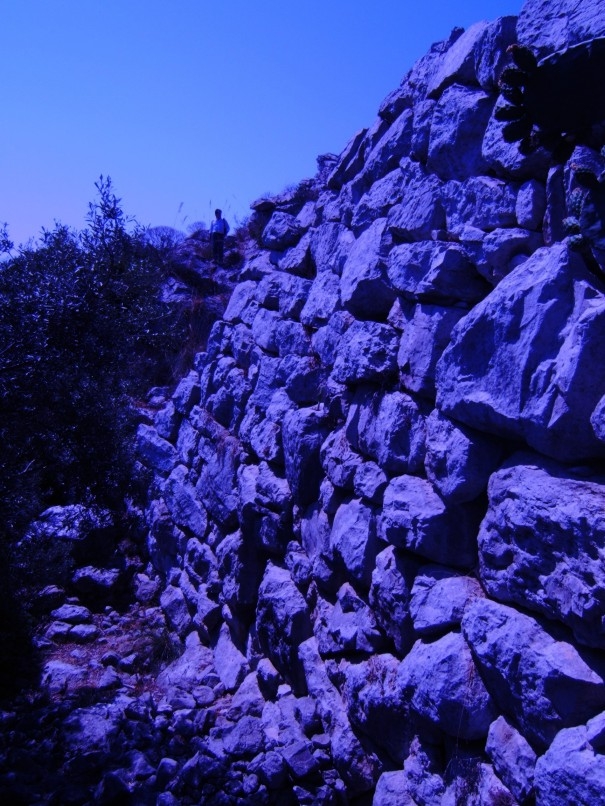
83, 334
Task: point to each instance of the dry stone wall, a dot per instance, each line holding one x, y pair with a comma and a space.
379, 494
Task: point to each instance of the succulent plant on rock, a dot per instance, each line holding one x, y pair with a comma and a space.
585, 222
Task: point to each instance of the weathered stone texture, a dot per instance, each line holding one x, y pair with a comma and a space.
378, 498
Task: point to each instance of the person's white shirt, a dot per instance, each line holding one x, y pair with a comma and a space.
219, 225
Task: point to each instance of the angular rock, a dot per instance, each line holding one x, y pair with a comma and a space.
92, 729
217, 480
365, 290
368, 352
98, 583
187, 393
395, 102
390, 594
457, 131
186, 442
339, 460
282, 623
155, 452
247, 700
435, 272
422, 770
389, 428
183, 503
242, 299
547, 26
483, 202
191, 668
61, 678
458, 65
72, 614
297, 259
302, 378
416, 518
427, 333
421, 211
323, 300
347, 627
378, 200
442, 685
459, 460
506, 248
542, 683
521, 363
353, 540
438, 599
505, 160
537, 544
531, 204
370, 482
292, 339
423, 117
350, 162
330, 247
201, 563
229, 662
358, 769
240, 569
374, 704
304, 431
391, 790
84, 633
491, 53
282, 231
392, 146
264, 329
573, 767
270, 768
283, 292
300, 760
513, 758
175, 607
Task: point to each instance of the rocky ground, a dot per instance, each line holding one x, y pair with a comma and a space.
123, 717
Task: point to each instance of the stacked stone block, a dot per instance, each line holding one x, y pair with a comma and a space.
382, 479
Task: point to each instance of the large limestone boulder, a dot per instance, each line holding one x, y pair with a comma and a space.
537, 544
542, 683
523, 362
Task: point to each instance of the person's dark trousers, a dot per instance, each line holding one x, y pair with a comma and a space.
218, 246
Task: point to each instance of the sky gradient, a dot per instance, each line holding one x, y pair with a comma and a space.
189, 105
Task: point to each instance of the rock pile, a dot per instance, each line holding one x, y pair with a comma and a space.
382, 481
377, 512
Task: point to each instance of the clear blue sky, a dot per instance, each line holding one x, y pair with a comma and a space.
189, 104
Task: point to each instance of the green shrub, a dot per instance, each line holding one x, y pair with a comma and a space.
83, 333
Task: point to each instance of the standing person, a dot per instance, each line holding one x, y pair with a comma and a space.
218, 230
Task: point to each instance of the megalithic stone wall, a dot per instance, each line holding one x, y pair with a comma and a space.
380, 486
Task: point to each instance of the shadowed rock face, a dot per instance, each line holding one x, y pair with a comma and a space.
377, 508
